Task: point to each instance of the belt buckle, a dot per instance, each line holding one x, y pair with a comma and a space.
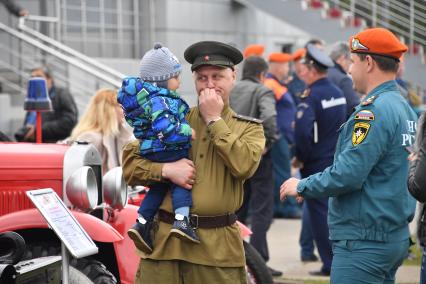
194, 221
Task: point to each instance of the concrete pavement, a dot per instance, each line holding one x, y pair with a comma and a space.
283, 238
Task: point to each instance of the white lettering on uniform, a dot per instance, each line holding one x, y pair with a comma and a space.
409, 138
412, 126
333, 102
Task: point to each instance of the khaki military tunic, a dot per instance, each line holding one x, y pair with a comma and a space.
225, 153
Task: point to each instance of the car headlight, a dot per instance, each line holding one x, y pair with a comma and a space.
114, 188
82, 188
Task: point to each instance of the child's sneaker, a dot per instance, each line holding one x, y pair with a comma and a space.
141, 236
183, 230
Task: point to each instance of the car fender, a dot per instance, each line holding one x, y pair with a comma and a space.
97, 229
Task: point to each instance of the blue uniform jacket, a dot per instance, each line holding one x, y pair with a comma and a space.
296, 87
339, 77
286, 111
157, 116
367, 182
319, 115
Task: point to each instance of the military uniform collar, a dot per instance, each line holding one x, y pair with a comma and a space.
384, 87
226, 110
320, 81
339, 67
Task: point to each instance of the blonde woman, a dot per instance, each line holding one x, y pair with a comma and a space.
102, 125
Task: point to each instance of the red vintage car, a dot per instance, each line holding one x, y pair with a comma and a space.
99, 203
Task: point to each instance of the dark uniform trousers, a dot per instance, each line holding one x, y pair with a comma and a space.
259, 201
318, 210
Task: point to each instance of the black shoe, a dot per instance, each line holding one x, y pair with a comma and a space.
275, 273
309, 258
141, 236
183, 230
319, 273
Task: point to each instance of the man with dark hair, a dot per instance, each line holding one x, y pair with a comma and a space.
370, 206
251, 98
56, 124
341, 56
319, 115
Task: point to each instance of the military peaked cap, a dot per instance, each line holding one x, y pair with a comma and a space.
317, 56
212, 53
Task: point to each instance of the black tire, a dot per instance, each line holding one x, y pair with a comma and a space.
257, 271
91, 268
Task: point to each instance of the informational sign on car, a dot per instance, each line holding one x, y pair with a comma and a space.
61, 220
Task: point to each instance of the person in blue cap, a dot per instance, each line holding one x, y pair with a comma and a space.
320, 113
370, 206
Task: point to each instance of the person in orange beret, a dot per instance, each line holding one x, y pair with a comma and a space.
370, 206
254, 50
295, 85
281, 150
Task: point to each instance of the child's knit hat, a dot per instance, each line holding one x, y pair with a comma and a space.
159, 64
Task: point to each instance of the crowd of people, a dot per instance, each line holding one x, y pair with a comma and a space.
327, 138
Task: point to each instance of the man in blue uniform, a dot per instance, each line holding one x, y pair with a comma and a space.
320, 113
370, 207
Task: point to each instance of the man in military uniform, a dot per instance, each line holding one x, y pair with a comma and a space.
227, 151
319, 114
251, 98
370, 207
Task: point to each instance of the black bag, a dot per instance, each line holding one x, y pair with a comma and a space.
421, 230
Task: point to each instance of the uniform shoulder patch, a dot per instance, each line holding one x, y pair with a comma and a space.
360, 132
247, 118
364, 115
369, 101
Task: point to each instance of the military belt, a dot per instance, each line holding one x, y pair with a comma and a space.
204, 222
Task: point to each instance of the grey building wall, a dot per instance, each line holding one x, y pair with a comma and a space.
125, 29
219, 20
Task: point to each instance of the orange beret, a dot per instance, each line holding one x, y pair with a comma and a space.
280, 57
377, 41
298, 54
254, 50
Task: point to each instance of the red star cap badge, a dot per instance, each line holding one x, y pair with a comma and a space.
206, 58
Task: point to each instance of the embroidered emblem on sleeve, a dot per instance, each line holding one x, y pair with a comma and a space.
364, 115
360, 132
